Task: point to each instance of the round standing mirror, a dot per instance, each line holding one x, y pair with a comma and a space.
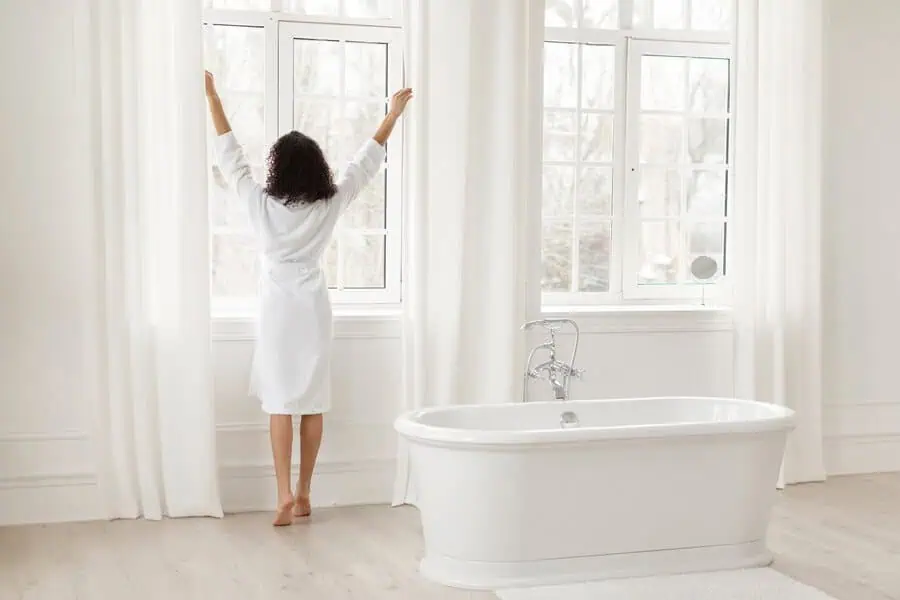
704, 268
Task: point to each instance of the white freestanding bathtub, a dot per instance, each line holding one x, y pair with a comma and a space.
512, 495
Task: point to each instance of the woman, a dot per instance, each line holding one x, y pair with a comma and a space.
293, 217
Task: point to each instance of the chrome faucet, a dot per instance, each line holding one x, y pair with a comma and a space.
554, 371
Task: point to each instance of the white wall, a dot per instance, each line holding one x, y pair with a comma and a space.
50, 263
861, 236
47, 260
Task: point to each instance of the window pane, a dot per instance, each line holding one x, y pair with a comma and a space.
659, 14
559, 135
234, 266
359, 123
321, 120
601, 14
659, 193
367, 210
593, 257
711, 15
313, 7
366, 70
706, 239
236, 55
659, 252
663, 83
708, 140
708, 85
238, 4
317, 68
557, 256
596, 138
595, 186
371, 9
363, 258
706, 193
598, 77
662, 139
560, 13
559, 191
560, 75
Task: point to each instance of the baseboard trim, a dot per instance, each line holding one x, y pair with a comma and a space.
862, 454
15, 437
477, 575
49, 480
50, 498
249, 487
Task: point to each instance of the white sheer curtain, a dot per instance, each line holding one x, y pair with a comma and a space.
473, 156
777, 216
155, 422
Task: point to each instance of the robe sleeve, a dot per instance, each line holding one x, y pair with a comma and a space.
237, 173
360, 171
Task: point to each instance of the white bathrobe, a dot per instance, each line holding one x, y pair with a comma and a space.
290, 373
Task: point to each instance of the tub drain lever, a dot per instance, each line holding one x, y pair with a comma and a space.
568, 419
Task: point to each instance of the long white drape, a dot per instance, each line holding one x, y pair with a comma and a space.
473, 156
778, 213
155, 422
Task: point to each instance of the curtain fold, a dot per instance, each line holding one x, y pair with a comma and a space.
471, 169
155, 422
778, 298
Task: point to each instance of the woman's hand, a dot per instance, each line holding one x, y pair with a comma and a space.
211, 85
399, 101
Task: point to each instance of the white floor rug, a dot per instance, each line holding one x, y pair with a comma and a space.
750, 584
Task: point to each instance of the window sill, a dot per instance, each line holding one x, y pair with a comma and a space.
362, 322
645, 318
382, 322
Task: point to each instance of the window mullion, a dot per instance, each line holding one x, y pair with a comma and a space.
618, 224
576, 225
626, 14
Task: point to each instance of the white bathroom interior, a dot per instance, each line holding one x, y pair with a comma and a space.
700, 192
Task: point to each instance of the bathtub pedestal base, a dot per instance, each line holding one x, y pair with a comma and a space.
494, 576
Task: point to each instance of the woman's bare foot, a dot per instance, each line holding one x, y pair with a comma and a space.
283, 516
302, 507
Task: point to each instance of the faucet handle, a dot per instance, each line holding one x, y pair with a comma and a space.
576, 373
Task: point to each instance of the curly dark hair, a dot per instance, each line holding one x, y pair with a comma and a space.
298, 171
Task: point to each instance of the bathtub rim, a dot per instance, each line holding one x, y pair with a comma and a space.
410, 427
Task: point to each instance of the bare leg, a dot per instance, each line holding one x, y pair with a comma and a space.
281, 430
310, 439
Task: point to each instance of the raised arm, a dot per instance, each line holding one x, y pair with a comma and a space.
216, 111
395, 110
368, 160
230, 156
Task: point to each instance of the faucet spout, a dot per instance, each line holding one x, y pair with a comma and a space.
557, 373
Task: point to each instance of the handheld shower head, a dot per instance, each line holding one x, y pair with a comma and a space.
551, 324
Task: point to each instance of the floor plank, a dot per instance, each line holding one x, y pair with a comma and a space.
842, 537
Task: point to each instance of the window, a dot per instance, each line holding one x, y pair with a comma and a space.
637, 152
324, 67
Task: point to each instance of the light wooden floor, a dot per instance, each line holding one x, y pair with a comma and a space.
843, 537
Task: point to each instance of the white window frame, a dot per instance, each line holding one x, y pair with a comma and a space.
281, 28
630, 45
288, 32
637, 50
